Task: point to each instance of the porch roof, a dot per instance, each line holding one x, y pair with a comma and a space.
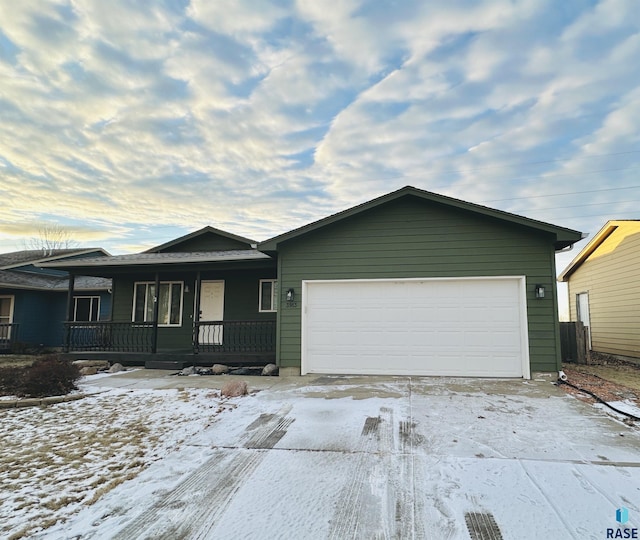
42, 282
159, 259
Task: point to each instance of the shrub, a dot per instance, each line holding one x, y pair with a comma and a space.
49, 376
11, 380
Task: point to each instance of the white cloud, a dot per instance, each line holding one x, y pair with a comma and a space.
262, 116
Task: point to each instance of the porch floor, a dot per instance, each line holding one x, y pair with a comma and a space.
176, 360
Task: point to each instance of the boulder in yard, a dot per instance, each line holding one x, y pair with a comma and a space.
270, 369
219, 369
187, 371
116, 368
88, 370
234, 389
98, 364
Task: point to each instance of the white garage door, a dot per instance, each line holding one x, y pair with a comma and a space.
458, 327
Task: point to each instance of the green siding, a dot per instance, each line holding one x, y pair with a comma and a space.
240, 302
207, 242
410, 238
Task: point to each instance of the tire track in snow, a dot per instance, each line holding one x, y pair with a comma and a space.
552, 506
194, 507
376, 501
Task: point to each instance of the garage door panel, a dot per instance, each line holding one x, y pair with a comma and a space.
471, 327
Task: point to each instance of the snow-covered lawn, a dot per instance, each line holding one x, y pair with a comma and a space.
56, 460
319, 457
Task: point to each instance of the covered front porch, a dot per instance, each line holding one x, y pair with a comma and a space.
209, 297
243, 342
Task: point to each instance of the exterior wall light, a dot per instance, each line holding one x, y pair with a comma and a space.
291, 294
539, 291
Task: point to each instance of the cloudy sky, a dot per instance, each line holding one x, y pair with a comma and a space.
132, 123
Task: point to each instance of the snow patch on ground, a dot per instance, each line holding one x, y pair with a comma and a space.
59, 459
362, 458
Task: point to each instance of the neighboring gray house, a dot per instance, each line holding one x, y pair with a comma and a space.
33, 300
410, 283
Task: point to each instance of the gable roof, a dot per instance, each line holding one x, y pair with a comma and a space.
604, 233
26, 257
564, 237
201, 232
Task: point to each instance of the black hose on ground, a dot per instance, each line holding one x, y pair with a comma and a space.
599, 399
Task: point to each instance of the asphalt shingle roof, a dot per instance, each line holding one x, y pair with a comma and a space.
163, 258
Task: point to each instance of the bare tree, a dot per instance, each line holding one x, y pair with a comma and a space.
51, 236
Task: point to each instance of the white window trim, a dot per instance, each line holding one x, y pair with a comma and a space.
274, 296
11, 306
75, 307
146, 298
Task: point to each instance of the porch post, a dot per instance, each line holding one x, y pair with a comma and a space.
70, 313
196, 314
156, 310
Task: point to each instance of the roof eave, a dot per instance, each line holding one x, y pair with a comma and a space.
564, 237
38, 261
587, 250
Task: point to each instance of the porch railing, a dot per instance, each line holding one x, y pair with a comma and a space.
8, 336
235, 336
108, 336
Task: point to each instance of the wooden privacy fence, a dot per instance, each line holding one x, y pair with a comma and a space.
574, 342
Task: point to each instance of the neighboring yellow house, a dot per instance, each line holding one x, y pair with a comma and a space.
604, 288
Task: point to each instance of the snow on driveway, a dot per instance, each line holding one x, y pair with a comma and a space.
348, 457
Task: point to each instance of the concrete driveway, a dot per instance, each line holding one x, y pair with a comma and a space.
398, 457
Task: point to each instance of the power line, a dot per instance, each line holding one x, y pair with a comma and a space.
538, 162
583, 205
508, 164
561, 194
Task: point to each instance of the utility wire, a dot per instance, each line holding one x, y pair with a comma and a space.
561, 194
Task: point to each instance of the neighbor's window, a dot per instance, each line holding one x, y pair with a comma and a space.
169, 303
6, 317
86, 308
6, 309
268, 295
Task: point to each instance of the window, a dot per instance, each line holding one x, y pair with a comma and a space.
169, 303
86, 308
268, 295
6, 317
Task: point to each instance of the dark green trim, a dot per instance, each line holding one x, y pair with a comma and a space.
172, 245
563, 237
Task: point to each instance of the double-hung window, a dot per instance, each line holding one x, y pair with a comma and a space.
86, 308
6, 318
268, 295
169, 302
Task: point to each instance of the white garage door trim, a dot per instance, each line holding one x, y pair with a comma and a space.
519, 282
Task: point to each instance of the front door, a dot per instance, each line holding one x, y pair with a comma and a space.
582, 305
211, 309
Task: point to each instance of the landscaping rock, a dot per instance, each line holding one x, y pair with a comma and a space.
219, 369
187, 371
234, 389
98, 364
88, 371
245, 371
116, 368
270, 369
